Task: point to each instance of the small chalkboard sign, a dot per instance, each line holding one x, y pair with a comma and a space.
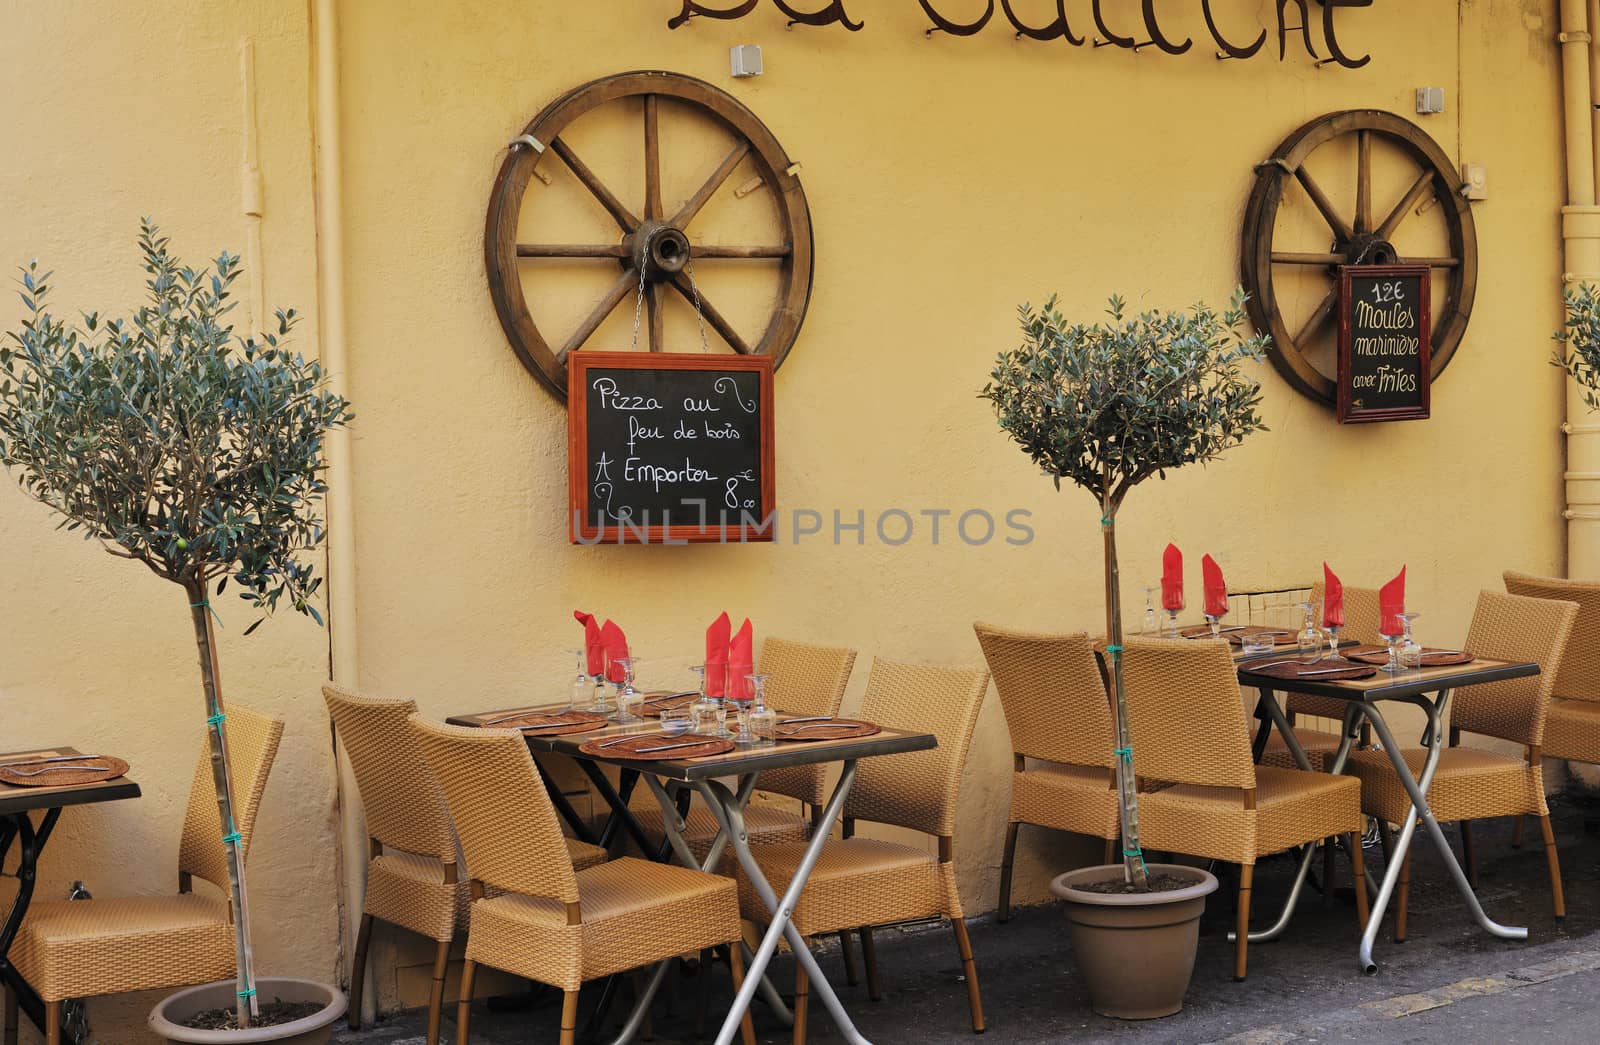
669, 448
1384, 343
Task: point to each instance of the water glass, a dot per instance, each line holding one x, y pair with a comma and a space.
1309, 639
676, 721
710, 718
1254, 642
1152, 623
763, 720
1410, 649
629, 700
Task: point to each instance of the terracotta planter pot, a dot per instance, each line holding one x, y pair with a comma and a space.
1136, 950
167, 1018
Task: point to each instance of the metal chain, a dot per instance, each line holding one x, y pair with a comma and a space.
694, 291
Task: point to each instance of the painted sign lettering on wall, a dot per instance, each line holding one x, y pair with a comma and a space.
1132, 32
1384, 343
669, 448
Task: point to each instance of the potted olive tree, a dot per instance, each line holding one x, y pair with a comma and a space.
200, 454
1106, 406
1578, 351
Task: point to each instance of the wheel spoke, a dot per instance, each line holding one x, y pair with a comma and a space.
652, 159
1434, 263
781, 250
658, 309
591, 181
1291, 257
619, 290
704, 193
1413, 194
1318, 318
1320, 198
718, 321
1364, 181
571, 250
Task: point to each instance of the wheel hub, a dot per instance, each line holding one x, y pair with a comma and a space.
1368, 249
658, 250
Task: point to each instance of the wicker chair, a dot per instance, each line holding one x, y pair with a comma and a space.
1188, 730
82, 948
865, 882
548, 922
1056, 709
1572, 726
1361, 624
1471, 783
805, 680
412, 878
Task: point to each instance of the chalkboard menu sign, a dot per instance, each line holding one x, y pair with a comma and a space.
1384, 335
669, 448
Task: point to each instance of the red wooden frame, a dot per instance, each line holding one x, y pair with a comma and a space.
579, 366
1348, 411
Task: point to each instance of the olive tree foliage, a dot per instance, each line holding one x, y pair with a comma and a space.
177, 443
1578, 342
1108, 405
170, 439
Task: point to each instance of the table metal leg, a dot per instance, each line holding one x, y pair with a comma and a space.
627, 780
32, 842
1417, 788
580, 829
731, 817
618, 804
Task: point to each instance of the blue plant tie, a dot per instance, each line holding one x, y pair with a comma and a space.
1106, 520
251, 993
217, 719
1137, 854
207, 604
231, 836
1125, 753
1113, 650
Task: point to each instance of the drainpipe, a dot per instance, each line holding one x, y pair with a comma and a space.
1580, 238
342, 632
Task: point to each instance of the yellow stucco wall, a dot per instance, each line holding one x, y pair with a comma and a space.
948, 180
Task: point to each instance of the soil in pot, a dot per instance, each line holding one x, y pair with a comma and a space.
1159, 883
273, 1014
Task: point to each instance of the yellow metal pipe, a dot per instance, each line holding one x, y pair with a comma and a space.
344, 663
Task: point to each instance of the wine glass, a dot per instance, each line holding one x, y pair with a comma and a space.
1152, 623
1309, 639
1410, 649
601, 704
1215, 622
1171, 631
1333, 640
1393, 639
629, 700
582, 685
761, 720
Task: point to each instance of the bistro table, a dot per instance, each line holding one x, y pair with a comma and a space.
1427, 688
709, 776
17, 804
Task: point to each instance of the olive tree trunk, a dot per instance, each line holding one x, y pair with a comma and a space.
211, 681
1127, 794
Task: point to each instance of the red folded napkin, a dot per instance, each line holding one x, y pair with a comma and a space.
1216, 587
1332, 599
593, 648
616, 645
1172, 578
1392, 603
741, 662
717, 655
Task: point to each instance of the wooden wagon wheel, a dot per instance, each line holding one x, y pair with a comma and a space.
655, 243
1357, 234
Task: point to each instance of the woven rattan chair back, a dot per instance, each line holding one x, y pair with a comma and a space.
1514, 627
404, 807
918, 789
1579, 676
1361, 618
1184, 713
804, 680
1052, 694
508, 829
252, 745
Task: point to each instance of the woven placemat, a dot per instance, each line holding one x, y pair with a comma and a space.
1280, 636
549, 723
655, 704
684, 745
1430, 658
1323, 671
41, 773
838, 729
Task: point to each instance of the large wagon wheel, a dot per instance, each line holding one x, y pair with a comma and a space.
654, 243
1354, 234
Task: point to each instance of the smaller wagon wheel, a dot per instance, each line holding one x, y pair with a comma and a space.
1358, 234
653, 245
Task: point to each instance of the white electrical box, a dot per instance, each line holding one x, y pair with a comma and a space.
1430, 100
745, 60
1475, 181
